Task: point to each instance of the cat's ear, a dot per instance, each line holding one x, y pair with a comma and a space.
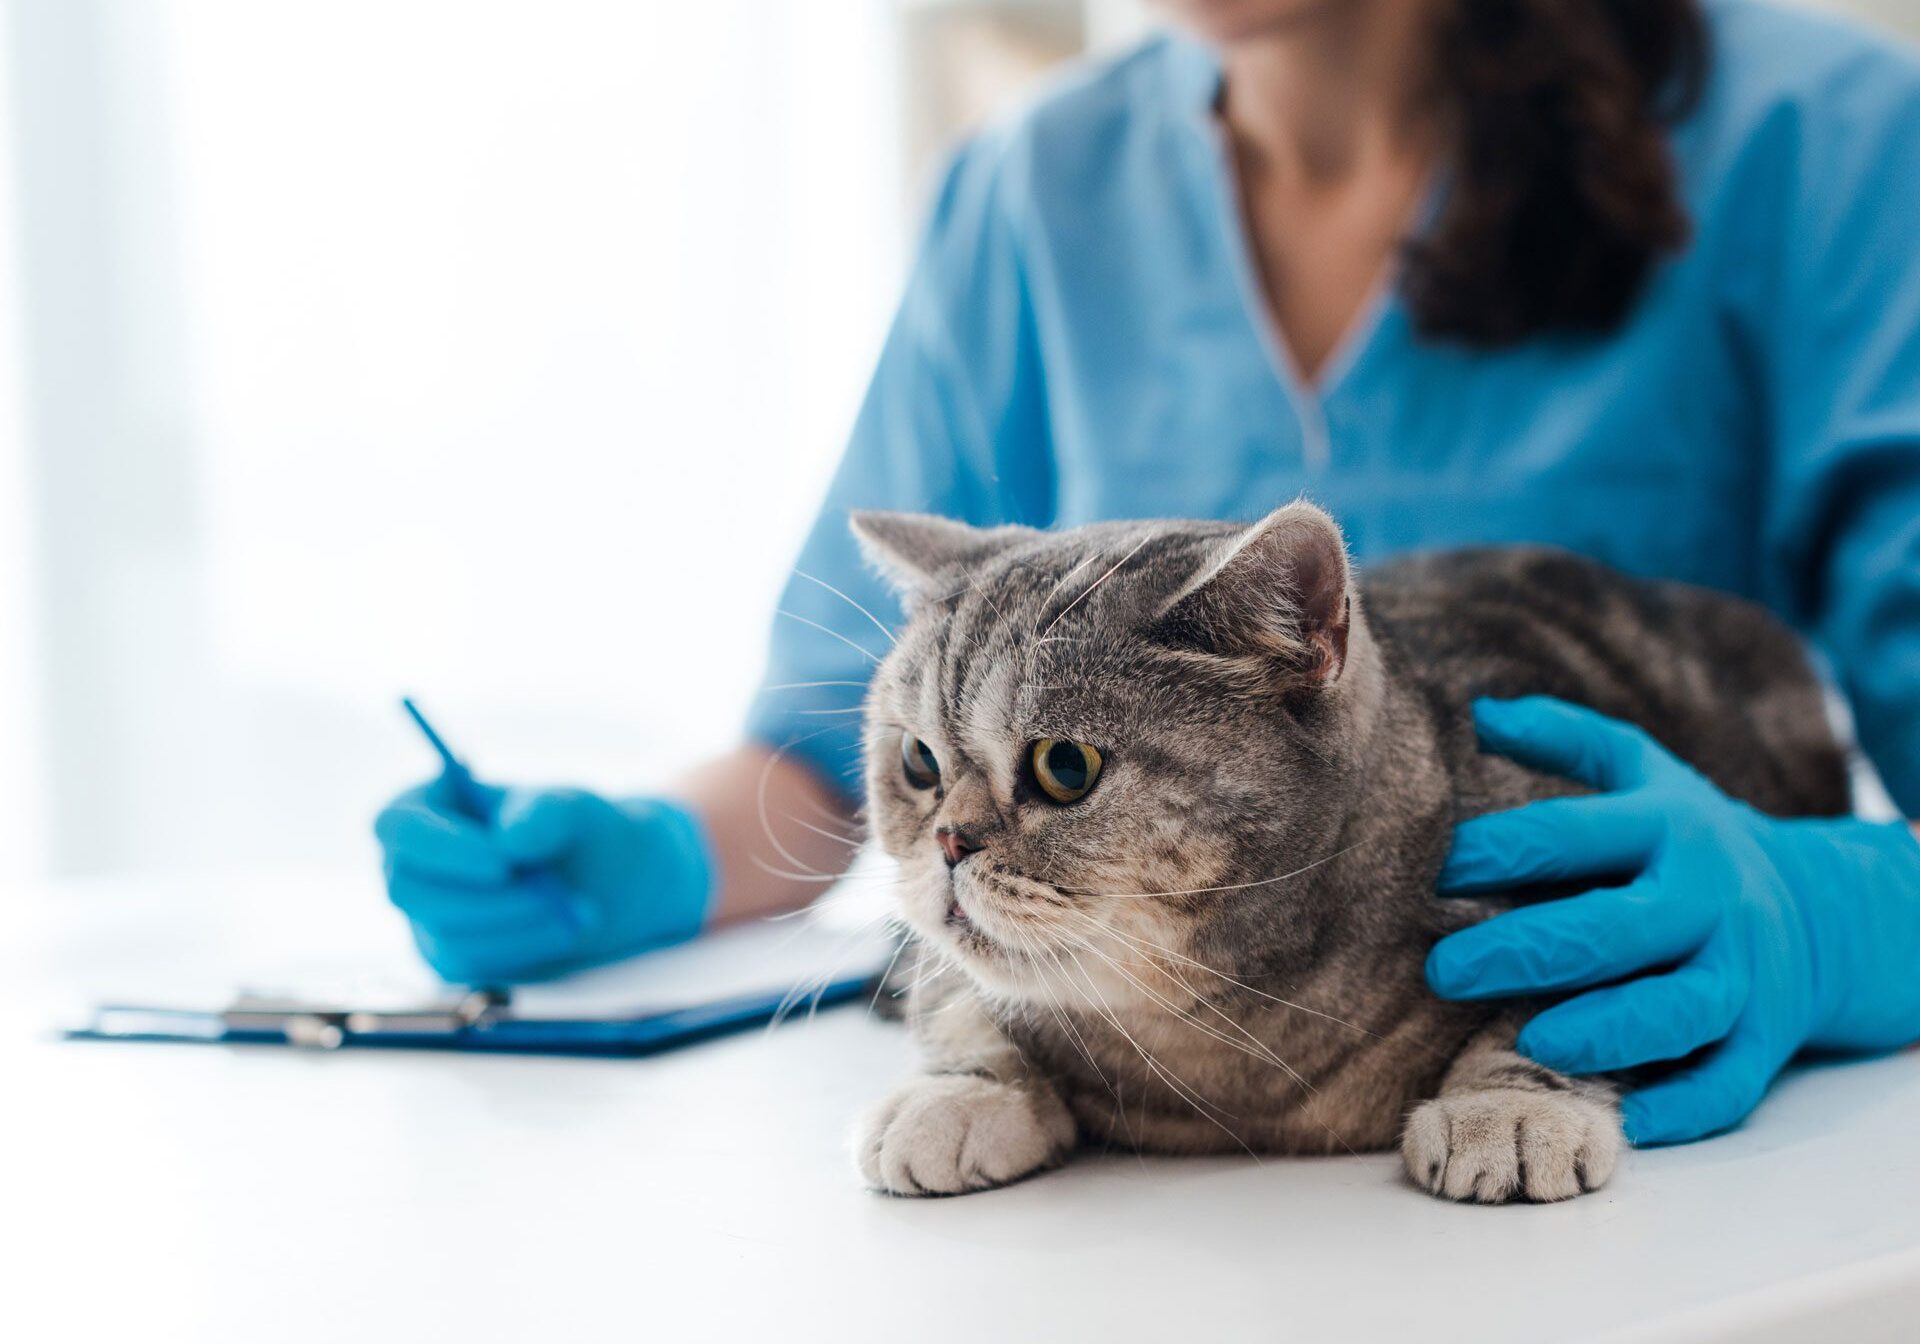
1279, 590
909, 549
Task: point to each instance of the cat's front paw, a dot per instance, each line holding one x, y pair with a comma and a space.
950, 1133
1508, 1144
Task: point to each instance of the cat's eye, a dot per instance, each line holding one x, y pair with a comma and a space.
1064, 770
918, 761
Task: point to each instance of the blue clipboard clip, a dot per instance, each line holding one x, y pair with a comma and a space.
478, 1021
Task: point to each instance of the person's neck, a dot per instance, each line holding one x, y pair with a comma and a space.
1346, 87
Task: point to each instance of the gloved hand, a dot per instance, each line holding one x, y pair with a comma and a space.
1751, 934
541, 881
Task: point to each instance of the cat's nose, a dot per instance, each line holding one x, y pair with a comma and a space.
955, 843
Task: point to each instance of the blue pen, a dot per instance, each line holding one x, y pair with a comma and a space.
471, 800
467, 795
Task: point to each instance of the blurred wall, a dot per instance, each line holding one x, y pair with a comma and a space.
484, 350
22, 785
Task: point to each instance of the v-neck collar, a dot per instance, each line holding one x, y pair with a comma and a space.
1199, 79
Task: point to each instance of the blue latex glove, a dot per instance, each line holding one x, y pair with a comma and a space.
1751, 934
542, 881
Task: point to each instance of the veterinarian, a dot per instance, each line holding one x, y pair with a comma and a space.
1638, 279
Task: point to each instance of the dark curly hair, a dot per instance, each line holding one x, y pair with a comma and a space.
1563, 192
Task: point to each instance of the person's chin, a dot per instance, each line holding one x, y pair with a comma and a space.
1223, 23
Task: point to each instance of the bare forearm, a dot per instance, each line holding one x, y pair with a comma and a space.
779, 833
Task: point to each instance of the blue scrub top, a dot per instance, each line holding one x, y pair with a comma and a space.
1083, 338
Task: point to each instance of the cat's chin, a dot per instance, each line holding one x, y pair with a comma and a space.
1012, 959
955, 931
943, 922
1039, 977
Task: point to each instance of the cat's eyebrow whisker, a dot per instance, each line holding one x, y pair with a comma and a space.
985, 596
860, 649
877, 623
1064, 579
1085, 592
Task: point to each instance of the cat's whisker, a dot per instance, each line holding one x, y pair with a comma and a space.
774, 757
1261, 1050
851, 824
877, 623
1143, 943
1201, 1106
824, 833
869, 880
807, 873
930, 966
1314, 752
810, 875
816, 983
1201, 891
847, 948
1100, 1002
810, 685
1063, 1016
1032, 949
886, 972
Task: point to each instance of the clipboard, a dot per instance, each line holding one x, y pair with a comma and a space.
473, 1021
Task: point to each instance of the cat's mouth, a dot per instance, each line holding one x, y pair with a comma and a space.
961, 925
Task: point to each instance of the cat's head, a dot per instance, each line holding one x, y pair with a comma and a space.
1094, 753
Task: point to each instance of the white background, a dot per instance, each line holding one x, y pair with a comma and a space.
492, 351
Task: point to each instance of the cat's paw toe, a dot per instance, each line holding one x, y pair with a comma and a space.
1510, 1144
947, 1134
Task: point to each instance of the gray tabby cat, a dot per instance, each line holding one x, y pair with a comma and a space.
1169, 800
